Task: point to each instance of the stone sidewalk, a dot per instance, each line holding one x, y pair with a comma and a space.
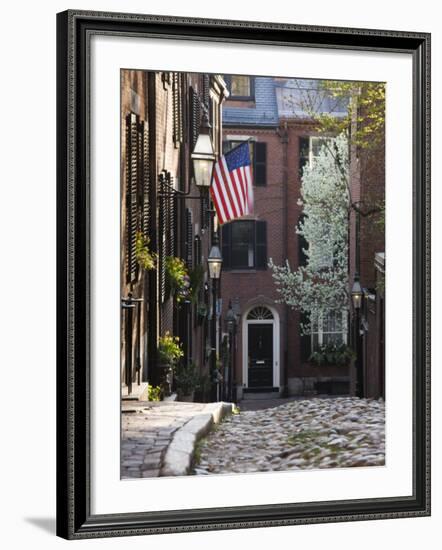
158, 438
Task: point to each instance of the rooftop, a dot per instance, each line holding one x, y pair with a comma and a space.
287, 98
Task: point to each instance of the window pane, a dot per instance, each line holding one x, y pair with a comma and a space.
240, 86
332, 321
231, 144
243, 244
240, 256
315, 341
332, 338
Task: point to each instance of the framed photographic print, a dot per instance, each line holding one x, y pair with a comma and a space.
243, 274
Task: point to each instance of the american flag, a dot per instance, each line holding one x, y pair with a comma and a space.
231, 190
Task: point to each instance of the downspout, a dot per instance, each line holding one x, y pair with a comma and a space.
284, 138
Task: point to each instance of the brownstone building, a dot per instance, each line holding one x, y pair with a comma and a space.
162, 209
270, 354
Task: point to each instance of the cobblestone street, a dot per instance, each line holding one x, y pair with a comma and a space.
301, 434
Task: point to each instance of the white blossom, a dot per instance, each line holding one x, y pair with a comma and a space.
322, 284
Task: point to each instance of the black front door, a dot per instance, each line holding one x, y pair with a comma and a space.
260, 342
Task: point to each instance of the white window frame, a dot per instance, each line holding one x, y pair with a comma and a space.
320, 332
313, 139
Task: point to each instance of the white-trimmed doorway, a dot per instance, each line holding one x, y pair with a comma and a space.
260, 348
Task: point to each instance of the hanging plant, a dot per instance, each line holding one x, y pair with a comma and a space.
145, 258
178, 277
169, 349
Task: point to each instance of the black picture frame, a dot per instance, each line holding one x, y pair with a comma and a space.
74, 518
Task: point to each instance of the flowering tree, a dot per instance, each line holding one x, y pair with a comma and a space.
322, 284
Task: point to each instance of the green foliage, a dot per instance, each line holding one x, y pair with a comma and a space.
186, 378
169, 349
365, 110
145, 258
155, 393
332, 354
178, 277
196, 277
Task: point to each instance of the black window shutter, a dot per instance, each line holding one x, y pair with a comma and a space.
189, 240
197, 250
260, 162
304, 147
132, 195
261, 244
172, 226
195, 117
177, 109
146, 183
162, 239
226, 238
206, 88
306, 342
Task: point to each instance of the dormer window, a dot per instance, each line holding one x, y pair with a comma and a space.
241, 88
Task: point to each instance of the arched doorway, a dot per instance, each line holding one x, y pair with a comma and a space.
261, 348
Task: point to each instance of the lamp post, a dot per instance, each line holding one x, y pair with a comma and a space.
356, 298
214, 262
231, 321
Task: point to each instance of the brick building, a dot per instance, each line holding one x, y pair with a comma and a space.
161, 114
270, 354
367, 260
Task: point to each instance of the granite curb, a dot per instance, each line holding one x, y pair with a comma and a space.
179, 454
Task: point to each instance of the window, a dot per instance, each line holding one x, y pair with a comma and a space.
328, 328
259, 313
309, 148
258, 158
244, 245
240, 87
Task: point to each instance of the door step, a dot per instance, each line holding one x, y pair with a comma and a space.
261, 393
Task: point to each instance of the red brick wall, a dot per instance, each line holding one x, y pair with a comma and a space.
278, 204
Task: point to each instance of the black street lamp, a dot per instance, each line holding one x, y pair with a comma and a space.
203, 159
214, 262
356, 298
356, 293
203, 156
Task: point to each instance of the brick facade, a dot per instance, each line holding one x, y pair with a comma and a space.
170, 105
277, 203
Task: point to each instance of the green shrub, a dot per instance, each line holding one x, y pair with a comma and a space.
154, 393
332, 354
